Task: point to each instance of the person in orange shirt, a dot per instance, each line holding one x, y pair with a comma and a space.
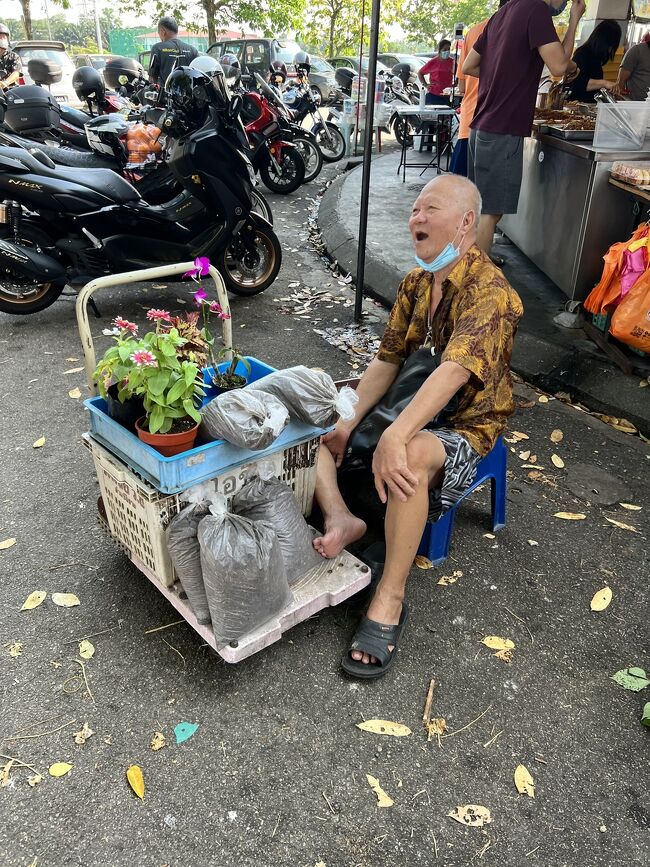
468, 88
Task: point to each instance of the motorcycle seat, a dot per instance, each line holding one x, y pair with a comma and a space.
103, 181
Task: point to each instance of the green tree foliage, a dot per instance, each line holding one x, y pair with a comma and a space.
78, 35
425, 23
336, 26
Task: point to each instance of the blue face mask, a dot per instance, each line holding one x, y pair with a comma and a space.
445, 257
560, 9
444, 55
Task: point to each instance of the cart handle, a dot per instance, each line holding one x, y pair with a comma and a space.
81, 307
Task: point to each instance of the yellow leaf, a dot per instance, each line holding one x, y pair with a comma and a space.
59, 769
65, 600
644, 383
601, 599
74, 393
472, 815
625, 426
570, 516
557, 436
83, 734
34, 600
631, 507
542, 399
16, 649
136, 780
557, 462
531, 466
384, 727
519, 435
524, 455
86, 649
445, 580
423, 562
73, 370
495, 642
383, 800
489, 536
157, 741
5, 774
39, 443
622, 525
533, 543
8, 543
35, 780
524, 781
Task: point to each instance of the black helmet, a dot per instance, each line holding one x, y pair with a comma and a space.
278, 69
122, 72
230, 59
302, 62
4, 30
403, 72
88, 83
188, 92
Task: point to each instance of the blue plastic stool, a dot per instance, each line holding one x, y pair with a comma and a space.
437, 534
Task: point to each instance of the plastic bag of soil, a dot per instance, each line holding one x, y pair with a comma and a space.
243, 571
245, 417
267, 498
183, 546
310, 395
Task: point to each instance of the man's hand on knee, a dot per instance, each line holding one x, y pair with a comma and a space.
336, 441
390, 468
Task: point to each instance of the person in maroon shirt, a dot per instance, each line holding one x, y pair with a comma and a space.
440, 70
508, 59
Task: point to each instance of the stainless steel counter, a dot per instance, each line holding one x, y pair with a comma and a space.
569, 214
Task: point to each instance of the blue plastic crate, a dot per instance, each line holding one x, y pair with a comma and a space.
177, 473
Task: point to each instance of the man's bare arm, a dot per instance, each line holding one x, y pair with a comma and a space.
472, 64
557, 55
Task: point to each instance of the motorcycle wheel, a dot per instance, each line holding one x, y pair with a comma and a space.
17, 294
311, 156
315, 94
251, 261
261, 206
403, 129
290, 176
330, 141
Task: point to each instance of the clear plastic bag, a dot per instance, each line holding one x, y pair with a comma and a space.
246, 417
183, 546
266, 498
243, 572
310, 395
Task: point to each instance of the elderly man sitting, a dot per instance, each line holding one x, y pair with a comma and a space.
459, 304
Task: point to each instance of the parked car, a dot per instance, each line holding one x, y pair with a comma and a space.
42, 49
353, 63
321, 79
256, 55
98, 61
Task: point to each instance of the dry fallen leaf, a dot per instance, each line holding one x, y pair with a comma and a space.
83, 734
489, 536
136, 780
65, 600
624, 425
472, 815
557, 436
631, 507
519, 435
495, 642
16, 649
73, 358
74, 393
86, 649
622, 525
531, 466
445, 580
7, 543
5, 774
383, 800
435, 727
601, 599
524, 782
542, 399
557, 462
34, 780
157, 741
39, 443
503, 655
532, 542
423, 562
73, 370
524, 455
59, 769
384, 727
570, 516
34, 600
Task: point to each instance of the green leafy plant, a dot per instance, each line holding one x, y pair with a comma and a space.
228, 379
117, 362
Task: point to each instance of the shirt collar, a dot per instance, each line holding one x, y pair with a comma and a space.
458, 273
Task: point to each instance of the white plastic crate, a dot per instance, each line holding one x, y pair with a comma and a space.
138, 514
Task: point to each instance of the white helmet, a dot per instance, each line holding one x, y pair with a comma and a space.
208, 65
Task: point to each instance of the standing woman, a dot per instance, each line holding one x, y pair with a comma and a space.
440, 70
590, 59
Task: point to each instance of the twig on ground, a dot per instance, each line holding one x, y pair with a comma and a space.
83, 671
276, 827
541, 760
86, 637
39, 723
435, 844
20, 763
417, 794
521, 621
531, 851
329, 804
166, 626
74, 563
492, 740
175, 650
18, 737
427, 705
480, 716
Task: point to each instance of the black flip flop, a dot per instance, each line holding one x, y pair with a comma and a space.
373, 638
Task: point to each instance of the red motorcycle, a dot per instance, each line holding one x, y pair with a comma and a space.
279, 163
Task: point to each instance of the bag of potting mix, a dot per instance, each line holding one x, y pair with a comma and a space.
183, 546
243, 572
267, 498
310, 395
245, 417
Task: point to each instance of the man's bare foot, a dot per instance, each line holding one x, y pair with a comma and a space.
341, 529
383, 609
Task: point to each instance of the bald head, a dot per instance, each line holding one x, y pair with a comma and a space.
459, 195
446, 212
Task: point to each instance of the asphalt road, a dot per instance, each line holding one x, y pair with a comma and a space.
275, 774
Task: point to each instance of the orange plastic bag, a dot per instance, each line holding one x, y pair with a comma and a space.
631, 319
142, 144
607, 293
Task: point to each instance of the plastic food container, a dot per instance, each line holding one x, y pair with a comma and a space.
621, 126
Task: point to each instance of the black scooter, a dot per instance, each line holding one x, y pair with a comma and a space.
64, 225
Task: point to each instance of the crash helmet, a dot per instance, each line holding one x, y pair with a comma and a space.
88, 84
188, 92
205, 63
231, 69
229, 59
403, 72
302, 62
4, 30
107, 133
278, 71
122, 72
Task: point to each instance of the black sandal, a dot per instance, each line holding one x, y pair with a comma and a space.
374, 638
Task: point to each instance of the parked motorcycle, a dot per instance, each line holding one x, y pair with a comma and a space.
298, 98
64, 225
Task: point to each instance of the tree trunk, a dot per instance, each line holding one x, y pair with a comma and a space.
210, 7
27, 17
331, 36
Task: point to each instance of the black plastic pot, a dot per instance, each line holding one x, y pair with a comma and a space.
126, 413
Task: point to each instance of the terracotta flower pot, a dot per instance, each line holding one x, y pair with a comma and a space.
167, 444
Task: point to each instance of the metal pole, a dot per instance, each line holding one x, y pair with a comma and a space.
367, 155
358, 109
98, 29
47, 18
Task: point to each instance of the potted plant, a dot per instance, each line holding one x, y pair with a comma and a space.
112, 374
229, 379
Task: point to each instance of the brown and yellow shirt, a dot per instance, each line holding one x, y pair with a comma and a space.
473, 325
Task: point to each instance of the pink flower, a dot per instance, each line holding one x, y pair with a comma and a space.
125, 325
200, 269
143, 358
215, 307
158, 315
200, 296
223, 315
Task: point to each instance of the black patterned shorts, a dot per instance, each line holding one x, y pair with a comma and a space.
460, 472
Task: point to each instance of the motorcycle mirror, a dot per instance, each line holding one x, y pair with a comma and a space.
236, 104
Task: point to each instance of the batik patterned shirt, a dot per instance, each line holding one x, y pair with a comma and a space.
9, 62
473, 325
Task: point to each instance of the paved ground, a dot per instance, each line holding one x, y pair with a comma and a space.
276, 772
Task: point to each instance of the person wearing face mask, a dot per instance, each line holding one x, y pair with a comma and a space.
458, 305
10, 63
508, 58
440, 70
